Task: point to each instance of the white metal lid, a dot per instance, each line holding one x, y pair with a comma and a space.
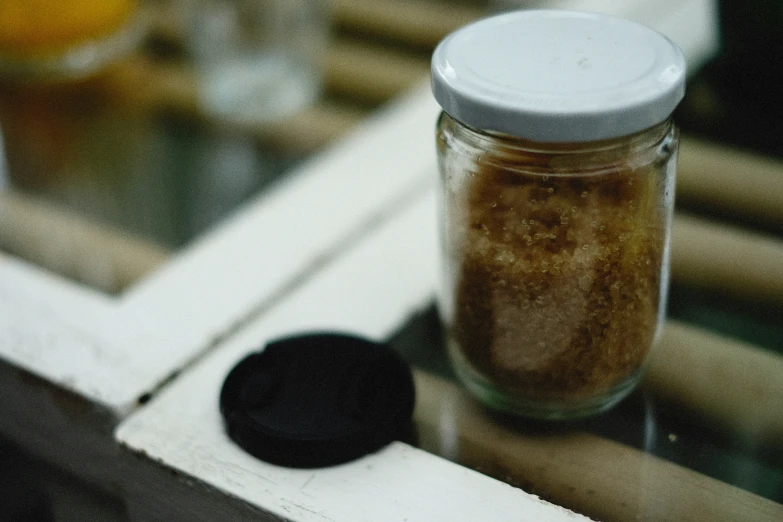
558, 76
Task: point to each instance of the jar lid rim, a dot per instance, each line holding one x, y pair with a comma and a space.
559, 76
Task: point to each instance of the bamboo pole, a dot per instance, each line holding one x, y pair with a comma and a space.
726, 180
712, 255
736, 387
174, 87
416, 23
372, 73
73, 246
369, 73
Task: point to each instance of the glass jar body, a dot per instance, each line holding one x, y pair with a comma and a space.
56, 39
257, 61
555, 264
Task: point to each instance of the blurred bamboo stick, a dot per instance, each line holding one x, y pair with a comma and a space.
415, 23
586, 473
712, 255
360, 72
308, 130
725, 180
734, 386
372, 73
73, 246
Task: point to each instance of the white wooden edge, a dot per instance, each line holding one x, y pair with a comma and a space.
111, 351
371, 290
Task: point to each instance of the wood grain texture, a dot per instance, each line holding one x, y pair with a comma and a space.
52, 328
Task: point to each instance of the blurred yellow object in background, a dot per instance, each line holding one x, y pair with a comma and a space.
40, 27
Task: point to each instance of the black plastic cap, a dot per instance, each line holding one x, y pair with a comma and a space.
318, 400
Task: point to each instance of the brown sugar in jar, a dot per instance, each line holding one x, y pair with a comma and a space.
558, 275
555, 228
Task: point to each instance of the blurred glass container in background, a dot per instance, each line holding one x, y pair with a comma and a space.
62, 38
258, 60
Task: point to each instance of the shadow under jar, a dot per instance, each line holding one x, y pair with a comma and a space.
556, 206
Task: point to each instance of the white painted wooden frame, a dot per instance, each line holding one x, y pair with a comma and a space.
75, 361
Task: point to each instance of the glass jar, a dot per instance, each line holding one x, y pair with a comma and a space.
66, 38
256, 61
556, 204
